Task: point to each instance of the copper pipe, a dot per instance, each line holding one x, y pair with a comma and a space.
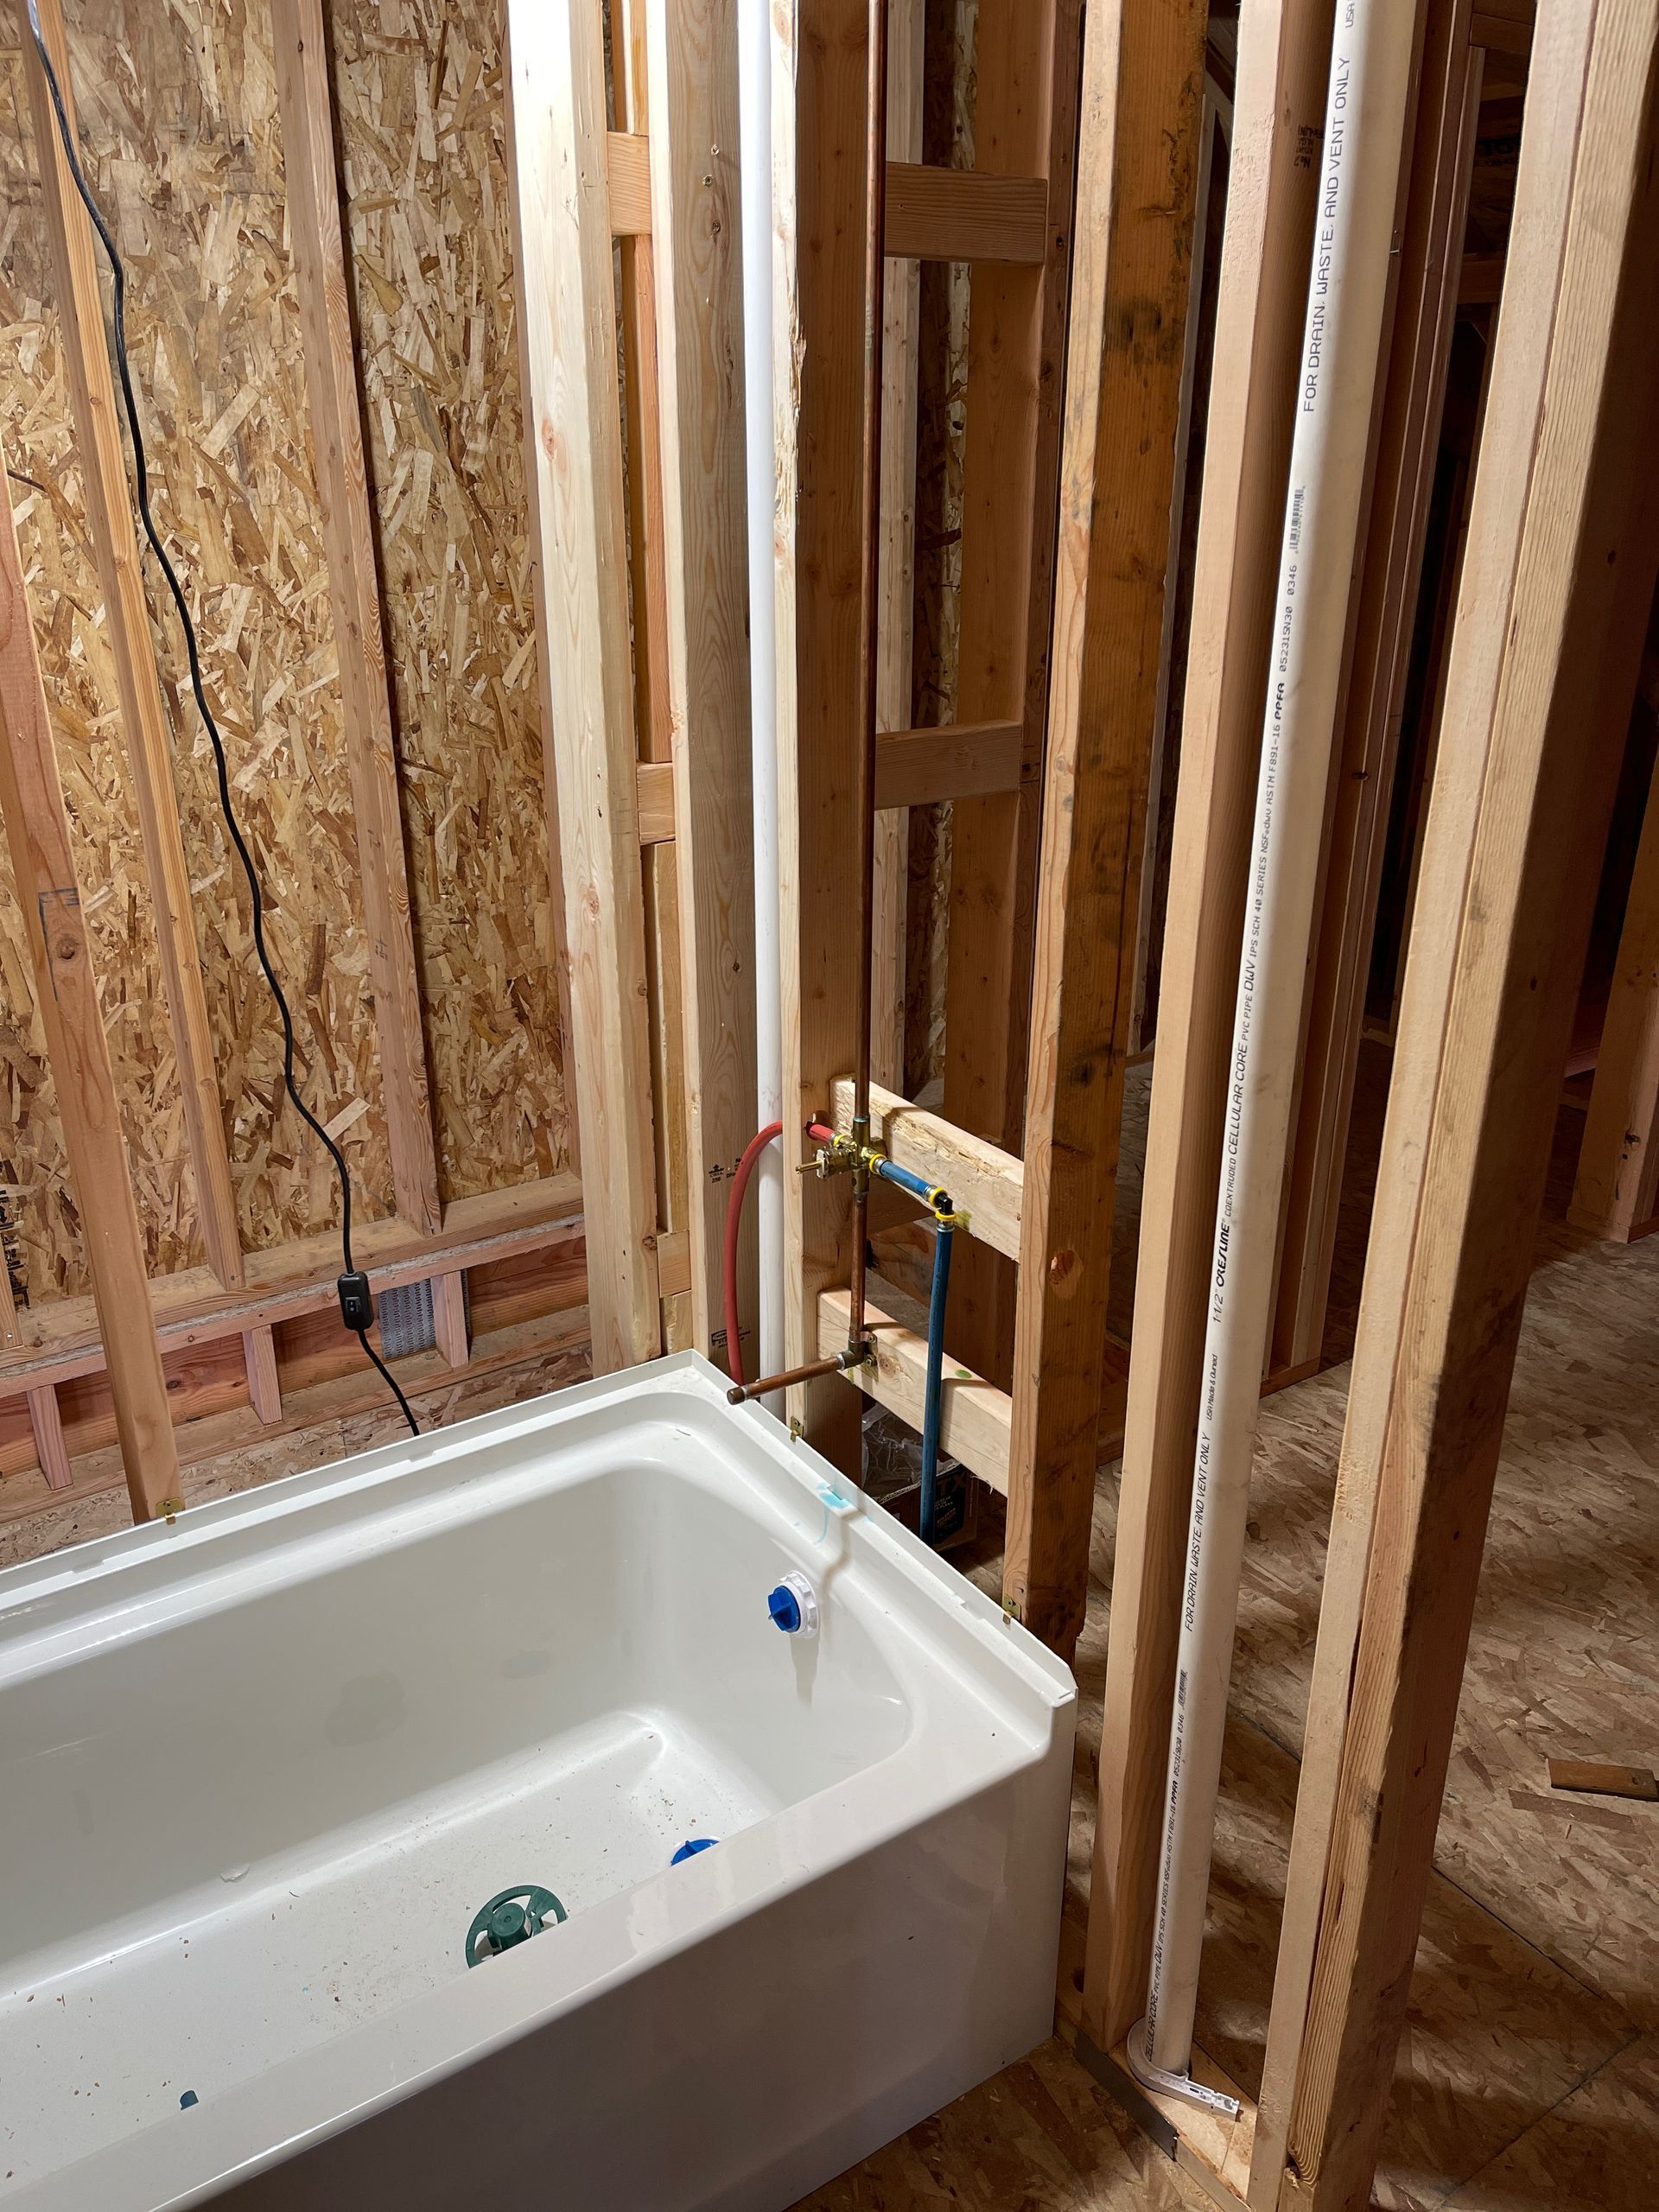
864, 798
741, 1392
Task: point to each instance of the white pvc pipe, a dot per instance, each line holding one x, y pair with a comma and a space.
754, 125
1364, 137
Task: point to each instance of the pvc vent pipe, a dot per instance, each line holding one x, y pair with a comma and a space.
1365, 117
755, 125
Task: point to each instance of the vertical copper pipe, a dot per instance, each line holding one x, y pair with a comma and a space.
864, 799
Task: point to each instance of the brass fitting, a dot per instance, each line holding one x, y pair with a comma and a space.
845, 1154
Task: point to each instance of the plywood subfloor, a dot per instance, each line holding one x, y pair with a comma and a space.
1040, 2137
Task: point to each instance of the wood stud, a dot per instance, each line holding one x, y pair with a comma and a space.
354, 592
636, 255
691, 50
818, 232
1025, 123
110, 521
66, 992
1142, 104
906, 43
568, 302
1564, 543
1617, 1192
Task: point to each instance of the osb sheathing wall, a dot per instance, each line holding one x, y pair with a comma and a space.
182, 141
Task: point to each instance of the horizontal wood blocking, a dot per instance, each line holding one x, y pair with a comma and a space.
1503, 26
61, 1341
628, 172
46, 1426
673, 1262
936, 214
919, 767
264, 1382
975, 1417
985, 1183
451, 1327
1480, 280
656, 802
324, 1376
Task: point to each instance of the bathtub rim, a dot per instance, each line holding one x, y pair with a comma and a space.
174, 2161
81, 1576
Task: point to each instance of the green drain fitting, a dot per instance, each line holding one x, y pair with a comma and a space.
511, 1916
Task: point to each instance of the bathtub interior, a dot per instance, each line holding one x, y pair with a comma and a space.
259, 1802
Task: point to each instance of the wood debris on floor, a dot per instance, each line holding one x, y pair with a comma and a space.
1601, 1779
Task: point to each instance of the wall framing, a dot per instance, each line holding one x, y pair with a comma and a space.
233, 1344
634, 436
1032, 62
639, 513
1563, 548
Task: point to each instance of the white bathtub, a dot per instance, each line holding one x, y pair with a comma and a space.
258, 1770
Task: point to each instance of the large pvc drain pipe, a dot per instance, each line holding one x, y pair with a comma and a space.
1365, 116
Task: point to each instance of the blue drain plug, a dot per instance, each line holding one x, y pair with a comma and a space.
692, 1846
511, 1916
793, 1606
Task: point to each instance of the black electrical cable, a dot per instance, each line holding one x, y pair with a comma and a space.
356, 1305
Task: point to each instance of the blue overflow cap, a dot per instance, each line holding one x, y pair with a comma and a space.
784, 1607
186, 2100
692, 1847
